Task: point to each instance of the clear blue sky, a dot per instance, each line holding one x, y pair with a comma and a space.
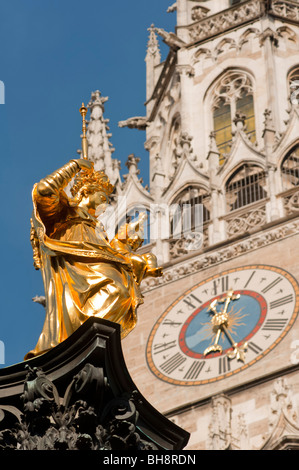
53, 54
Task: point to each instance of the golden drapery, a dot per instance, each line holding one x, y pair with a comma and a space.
83, 274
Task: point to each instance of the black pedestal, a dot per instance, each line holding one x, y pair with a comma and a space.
79, 395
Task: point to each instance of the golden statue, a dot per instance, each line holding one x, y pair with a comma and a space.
83, 273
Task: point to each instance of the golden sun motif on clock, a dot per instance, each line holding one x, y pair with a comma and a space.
235, 317
223, 325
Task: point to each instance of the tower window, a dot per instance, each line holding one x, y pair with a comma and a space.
233, 94
290, 169
223, 127
293, 81
191, 211
246, 185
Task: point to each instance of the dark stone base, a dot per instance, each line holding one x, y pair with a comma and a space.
80, 396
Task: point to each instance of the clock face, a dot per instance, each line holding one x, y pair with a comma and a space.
223, 325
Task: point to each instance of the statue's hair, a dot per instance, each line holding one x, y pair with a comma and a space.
91, 181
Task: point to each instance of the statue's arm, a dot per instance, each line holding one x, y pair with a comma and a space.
49, 192
52, 184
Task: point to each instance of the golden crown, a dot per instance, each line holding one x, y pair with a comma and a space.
91, 180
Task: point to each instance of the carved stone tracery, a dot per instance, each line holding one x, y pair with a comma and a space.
226, 431
220, 22
246, 222
231, 87
286, 9
291, 203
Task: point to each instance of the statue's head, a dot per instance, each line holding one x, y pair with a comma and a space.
91, 189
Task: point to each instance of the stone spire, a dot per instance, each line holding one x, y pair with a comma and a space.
100, 148
152, 59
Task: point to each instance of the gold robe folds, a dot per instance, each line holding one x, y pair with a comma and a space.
83, 274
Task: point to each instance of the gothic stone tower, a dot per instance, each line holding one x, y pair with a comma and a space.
221, 124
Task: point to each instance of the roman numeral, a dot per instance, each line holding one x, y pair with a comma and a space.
275, 324
224, 283
194, 371
250, 277
254, 347
188, 300
221, 283
161, 347
272, 284
284, 300
224, 365
173, 363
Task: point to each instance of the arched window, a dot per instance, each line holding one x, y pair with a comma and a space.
232, 94
293, 83
190, 211
245, 186
290, 169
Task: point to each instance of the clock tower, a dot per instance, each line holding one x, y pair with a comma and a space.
216, 347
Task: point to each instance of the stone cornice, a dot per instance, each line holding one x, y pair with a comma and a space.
217, 254
239, 15
285, 10
225, 20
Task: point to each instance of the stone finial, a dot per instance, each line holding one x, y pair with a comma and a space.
97, 100
132, 164
100, 148
153, 47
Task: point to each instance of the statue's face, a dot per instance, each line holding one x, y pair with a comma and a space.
95, 202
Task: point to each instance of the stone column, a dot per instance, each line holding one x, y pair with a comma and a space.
213, 161
269, 140
269, 41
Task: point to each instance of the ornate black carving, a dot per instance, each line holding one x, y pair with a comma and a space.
79, 395
85, 418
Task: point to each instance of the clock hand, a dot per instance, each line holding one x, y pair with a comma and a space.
216, 321
215, 347
239, 351
220, 320
229, 296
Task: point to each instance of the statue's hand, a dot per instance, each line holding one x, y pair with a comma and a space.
84, 164
155, 272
